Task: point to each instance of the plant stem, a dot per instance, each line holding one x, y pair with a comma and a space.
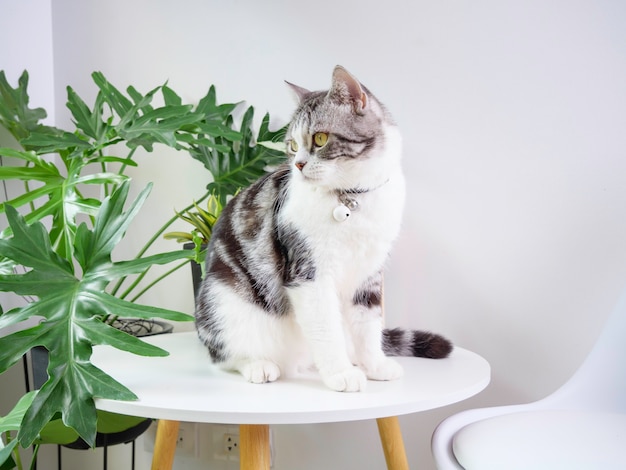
164, 275
148, 244
16, 451
33, 462
27, 190
112, 319
103, 166
169, 223
128, 157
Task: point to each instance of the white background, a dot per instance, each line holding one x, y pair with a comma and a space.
514, 123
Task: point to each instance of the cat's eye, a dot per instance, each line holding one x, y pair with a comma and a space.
320, 139
293, 145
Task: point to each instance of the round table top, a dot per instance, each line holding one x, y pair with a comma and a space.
185, 386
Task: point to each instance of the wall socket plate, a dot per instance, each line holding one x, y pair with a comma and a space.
225, 442
187, 441
231, 446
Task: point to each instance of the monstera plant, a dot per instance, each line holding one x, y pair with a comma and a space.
57, 248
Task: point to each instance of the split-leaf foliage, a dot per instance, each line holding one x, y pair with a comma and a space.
57, 248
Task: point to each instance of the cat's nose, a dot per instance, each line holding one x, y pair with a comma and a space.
300, 165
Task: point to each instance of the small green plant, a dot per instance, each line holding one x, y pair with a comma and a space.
201, 220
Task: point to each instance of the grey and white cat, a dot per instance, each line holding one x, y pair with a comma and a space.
294, 266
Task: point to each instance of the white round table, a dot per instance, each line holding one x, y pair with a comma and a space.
185, 386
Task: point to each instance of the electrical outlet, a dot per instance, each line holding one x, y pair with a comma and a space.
186, 441
231, 446
225, 442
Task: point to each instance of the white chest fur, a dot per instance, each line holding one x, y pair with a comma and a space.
355, 247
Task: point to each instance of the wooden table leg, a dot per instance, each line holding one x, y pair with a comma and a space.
254, 447
393, 444
165, 445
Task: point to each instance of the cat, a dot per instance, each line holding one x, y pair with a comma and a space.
294, 265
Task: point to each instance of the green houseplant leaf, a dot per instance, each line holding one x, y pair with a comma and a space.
72, 308
9, 423
6, 458
15, 114
245, 161
61, 193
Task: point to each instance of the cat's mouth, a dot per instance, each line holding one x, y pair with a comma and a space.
309, 176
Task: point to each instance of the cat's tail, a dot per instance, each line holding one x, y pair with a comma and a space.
401, 342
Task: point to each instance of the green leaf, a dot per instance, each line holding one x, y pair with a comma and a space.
18, 343
15, 115
70, 309
278, 146
180, 237
6, 267
111, 336
50, 143
86, 120
77, 380
95, 246
112, 159
59, 197
160, 124
13, 420
203, 141
170, 97
139, 99
33, 166
208, 107
31, 157
30, 246
110, 306
111, 95
55, 432
6, 459
36, 282
217, 129
124, 268
245, 161
134, 112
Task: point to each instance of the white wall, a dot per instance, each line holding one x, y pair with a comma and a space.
513, 116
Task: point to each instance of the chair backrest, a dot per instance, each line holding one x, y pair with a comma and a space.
600, 382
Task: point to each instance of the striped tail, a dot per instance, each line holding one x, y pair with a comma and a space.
401, 342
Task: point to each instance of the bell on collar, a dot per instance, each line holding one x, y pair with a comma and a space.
341, 213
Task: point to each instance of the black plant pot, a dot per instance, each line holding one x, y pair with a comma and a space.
196, 269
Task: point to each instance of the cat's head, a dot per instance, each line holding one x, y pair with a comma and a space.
341, 138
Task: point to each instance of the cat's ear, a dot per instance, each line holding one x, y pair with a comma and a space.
299, 92
347, 88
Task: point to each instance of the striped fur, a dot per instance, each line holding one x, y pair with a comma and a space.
287, 286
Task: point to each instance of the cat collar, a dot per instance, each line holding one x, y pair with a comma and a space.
349, 203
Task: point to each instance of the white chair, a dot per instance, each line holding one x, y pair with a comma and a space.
582, 425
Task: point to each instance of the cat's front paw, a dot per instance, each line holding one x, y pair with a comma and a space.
259, 372
384, 369
349, 380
